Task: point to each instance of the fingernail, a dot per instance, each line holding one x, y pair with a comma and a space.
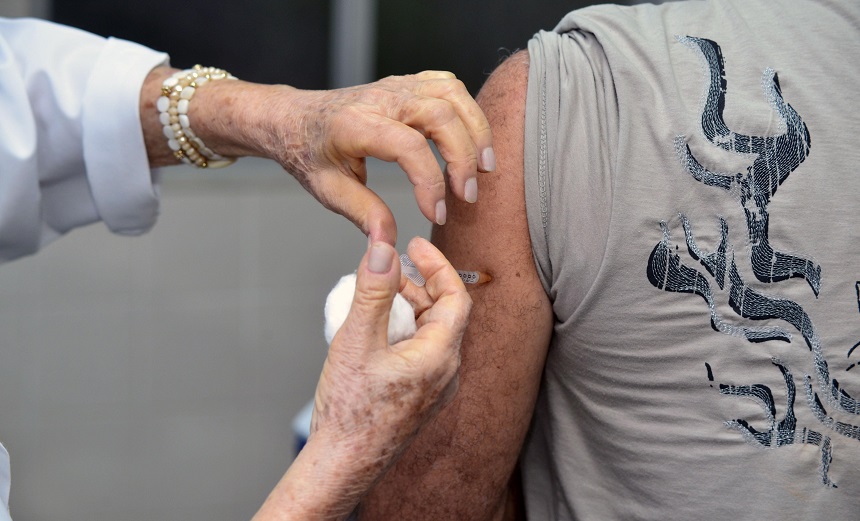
471, 190
441, 212
381, 257
488, 159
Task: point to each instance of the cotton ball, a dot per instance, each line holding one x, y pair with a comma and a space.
401, 321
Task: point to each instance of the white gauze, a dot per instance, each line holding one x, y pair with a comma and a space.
401, 322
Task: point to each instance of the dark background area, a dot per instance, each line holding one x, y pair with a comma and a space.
286, 41
268, 41
467, 37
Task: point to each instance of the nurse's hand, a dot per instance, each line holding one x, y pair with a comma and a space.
323, 137
390, 120
372, 397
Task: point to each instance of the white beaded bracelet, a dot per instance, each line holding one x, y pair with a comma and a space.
176, 93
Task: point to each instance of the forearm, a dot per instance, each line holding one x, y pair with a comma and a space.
325, 482
225, 115
233, 118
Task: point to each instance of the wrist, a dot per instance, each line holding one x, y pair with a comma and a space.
173, 105
325, 482
240, 118
157, 151
233, 118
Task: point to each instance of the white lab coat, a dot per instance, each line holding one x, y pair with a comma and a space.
71, 144
5, 482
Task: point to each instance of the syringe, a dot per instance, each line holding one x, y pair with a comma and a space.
411, 272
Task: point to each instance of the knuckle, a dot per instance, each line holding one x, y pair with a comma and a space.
433, 185
441, 111
452, 91
455, 86
411, 141
468, 160
371, 297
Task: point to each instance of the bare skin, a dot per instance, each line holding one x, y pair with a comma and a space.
372, 397
460, 466
323, 137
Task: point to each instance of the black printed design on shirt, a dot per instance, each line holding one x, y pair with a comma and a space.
775, 159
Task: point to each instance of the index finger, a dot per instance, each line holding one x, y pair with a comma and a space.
358, 203
373, 135
444, 85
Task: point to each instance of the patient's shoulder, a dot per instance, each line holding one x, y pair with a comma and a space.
505, 89
493, 233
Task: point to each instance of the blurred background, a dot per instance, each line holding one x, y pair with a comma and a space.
156, 378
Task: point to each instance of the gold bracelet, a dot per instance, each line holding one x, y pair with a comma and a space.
176, 94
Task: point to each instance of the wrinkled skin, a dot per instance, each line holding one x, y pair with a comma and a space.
372, 397
323, 137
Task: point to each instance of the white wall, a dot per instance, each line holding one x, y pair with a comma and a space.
155, 378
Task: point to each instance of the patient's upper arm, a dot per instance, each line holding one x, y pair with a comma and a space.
460, 465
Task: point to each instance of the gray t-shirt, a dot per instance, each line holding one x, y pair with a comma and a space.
692, 174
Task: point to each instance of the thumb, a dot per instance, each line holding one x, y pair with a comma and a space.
376, 286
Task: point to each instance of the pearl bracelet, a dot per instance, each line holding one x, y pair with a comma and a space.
176, 94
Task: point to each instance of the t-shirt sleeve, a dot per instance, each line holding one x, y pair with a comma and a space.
570, 141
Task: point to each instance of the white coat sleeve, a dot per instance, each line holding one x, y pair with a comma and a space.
71, 143
4, 484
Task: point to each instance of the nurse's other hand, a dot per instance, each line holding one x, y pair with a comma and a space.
372, 397
323, 137
391, 120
